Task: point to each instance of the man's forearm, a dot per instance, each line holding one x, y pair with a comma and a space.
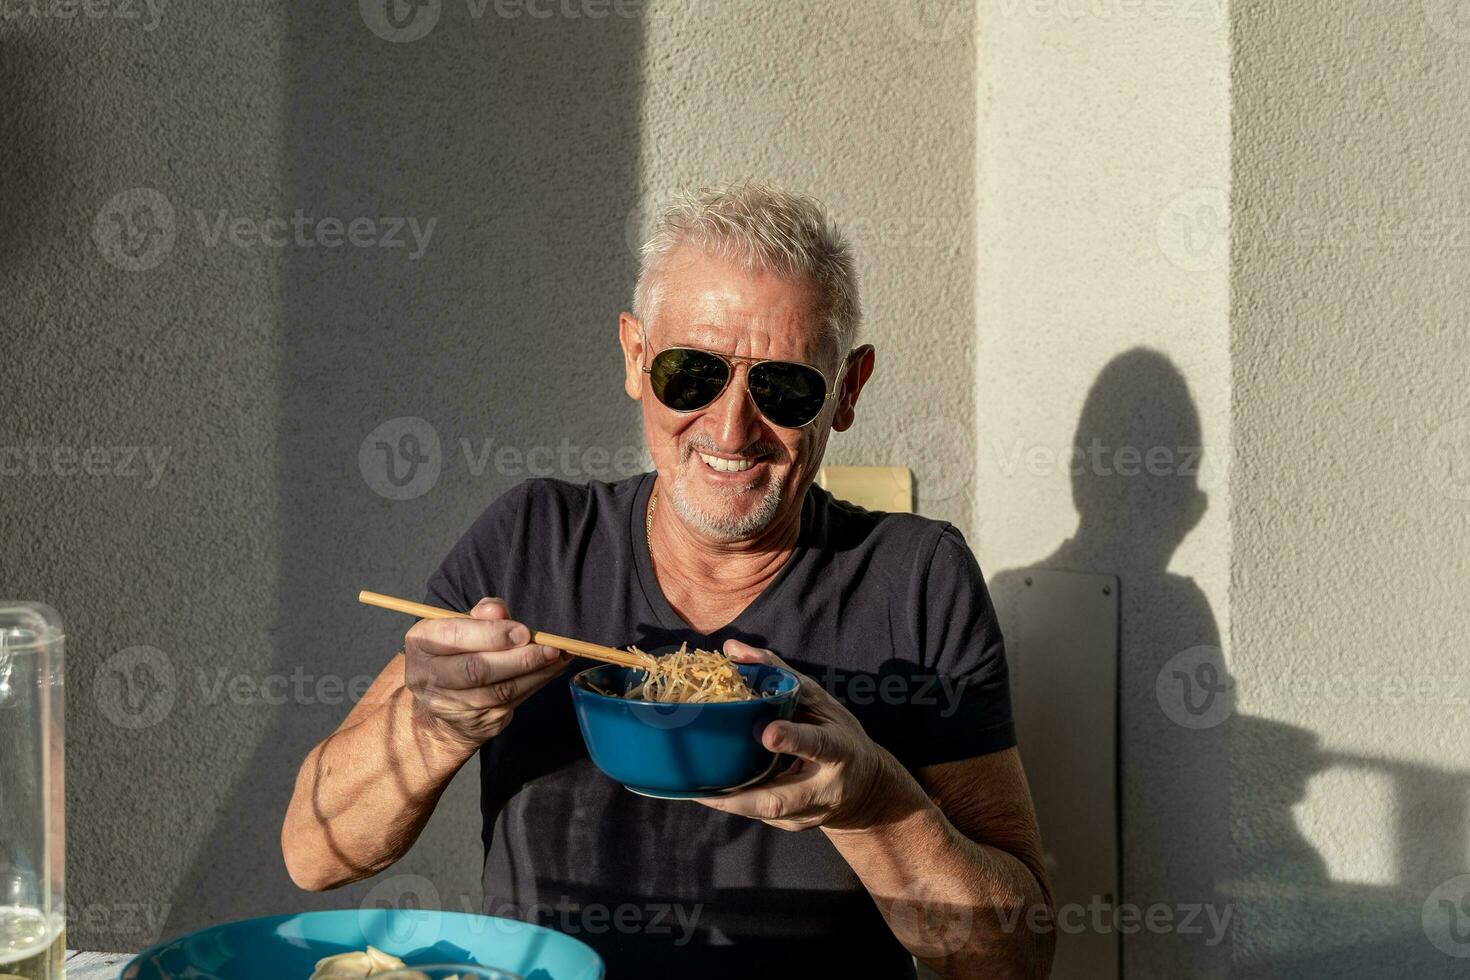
364, 794
960, 906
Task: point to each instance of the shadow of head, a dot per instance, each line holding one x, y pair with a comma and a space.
1138, 458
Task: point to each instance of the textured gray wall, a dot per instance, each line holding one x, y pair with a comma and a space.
869, 105
1098, 329
263, 370
165, 576
1350, 488
210, 600
1207, 226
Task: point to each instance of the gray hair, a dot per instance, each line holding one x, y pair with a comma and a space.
764, 229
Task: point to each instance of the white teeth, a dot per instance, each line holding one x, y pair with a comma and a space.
727, 465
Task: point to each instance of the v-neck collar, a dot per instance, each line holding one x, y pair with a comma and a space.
648, 581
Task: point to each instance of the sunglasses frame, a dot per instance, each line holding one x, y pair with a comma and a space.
832, 386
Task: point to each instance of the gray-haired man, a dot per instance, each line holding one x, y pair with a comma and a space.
905, 827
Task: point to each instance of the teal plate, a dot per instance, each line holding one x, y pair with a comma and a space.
286, 947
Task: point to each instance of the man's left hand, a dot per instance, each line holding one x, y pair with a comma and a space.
841, 780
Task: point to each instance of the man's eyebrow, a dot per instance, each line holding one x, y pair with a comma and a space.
697, 341
691, 335
699, 333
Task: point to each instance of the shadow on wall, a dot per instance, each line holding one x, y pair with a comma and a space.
1207, 794
30, 160
420, 380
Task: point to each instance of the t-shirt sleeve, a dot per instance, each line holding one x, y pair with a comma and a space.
473, 569
963, 658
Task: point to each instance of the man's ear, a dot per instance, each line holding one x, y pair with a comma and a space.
859, 370
630, 336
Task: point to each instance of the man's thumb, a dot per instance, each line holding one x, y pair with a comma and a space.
490, 607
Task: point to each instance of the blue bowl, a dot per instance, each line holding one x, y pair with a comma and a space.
681, 751
286, 947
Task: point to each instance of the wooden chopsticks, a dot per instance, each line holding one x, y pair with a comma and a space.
582, 648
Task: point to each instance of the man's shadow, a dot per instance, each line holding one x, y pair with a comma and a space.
1208, 795
1140, 483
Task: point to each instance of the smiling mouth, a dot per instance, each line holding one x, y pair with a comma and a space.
726, 465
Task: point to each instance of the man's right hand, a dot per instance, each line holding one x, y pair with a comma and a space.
469, 675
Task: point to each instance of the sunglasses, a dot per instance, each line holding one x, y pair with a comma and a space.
787, 393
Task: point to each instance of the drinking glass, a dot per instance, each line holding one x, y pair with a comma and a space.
32, 793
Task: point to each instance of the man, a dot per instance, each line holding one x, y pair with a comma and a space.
905, 828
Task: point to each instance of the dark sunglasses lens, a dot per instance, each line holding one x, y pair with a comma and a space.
685, 380
788, 394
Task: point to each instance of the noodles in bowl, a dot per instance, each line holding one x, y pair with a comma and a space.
688, 677
685, 726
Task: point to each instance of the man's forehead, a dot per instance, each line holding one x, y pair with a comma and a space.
719, 306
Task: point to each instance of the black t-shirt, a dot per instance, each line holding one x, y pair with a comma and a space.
888, 611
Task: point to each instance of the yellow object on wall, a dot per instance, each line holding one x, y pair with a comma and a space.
888, 488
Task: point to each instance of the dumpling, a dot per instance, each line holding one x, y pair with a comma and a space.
358, 963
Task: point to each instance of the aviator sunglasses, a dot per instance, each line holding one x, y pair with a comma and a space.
787, 393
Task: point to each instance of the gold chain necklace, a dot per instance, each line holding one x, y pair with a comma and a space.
648, 524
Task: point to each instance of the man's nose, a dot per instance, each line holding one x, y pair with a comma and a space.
736, 420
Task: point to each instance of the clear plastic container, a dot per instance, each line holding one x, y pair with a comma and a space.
32, 793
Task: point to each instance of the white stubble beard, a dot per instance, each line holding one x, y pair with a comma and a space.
723, 527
